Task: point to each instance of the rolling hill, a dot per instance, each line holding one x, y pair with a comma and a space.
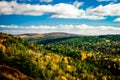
53, 35
60, 58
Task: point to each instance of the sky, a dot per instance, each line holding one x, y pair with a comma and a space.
84, 17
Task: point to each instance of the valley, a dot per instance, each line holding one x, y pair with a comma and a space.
61, 56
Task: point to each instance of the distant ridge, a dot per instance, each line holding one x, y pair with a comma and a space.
54, 34
60, 34
30, 34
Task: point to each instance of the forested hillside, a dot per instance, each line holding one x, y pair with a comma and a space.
61, 58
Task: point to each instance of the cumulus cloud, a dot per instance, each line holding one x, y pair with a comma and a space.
107, 10
82, 29
46, 1
107, 0
15, 8
117, 20
61, 10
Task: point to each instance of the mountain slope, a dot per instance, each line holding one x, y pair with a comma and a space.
62, 60
8, 73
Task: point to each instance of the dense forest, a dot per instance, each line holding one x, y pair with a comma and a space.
70, 57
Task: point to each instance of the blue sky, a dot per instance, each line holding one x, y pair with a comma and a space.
88, 17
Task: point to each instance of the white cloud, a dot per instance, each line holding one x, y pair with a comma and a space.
76, 29
69, 11
107, 10
117, 20
46, 1
15, 8
61, 10
107, 0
